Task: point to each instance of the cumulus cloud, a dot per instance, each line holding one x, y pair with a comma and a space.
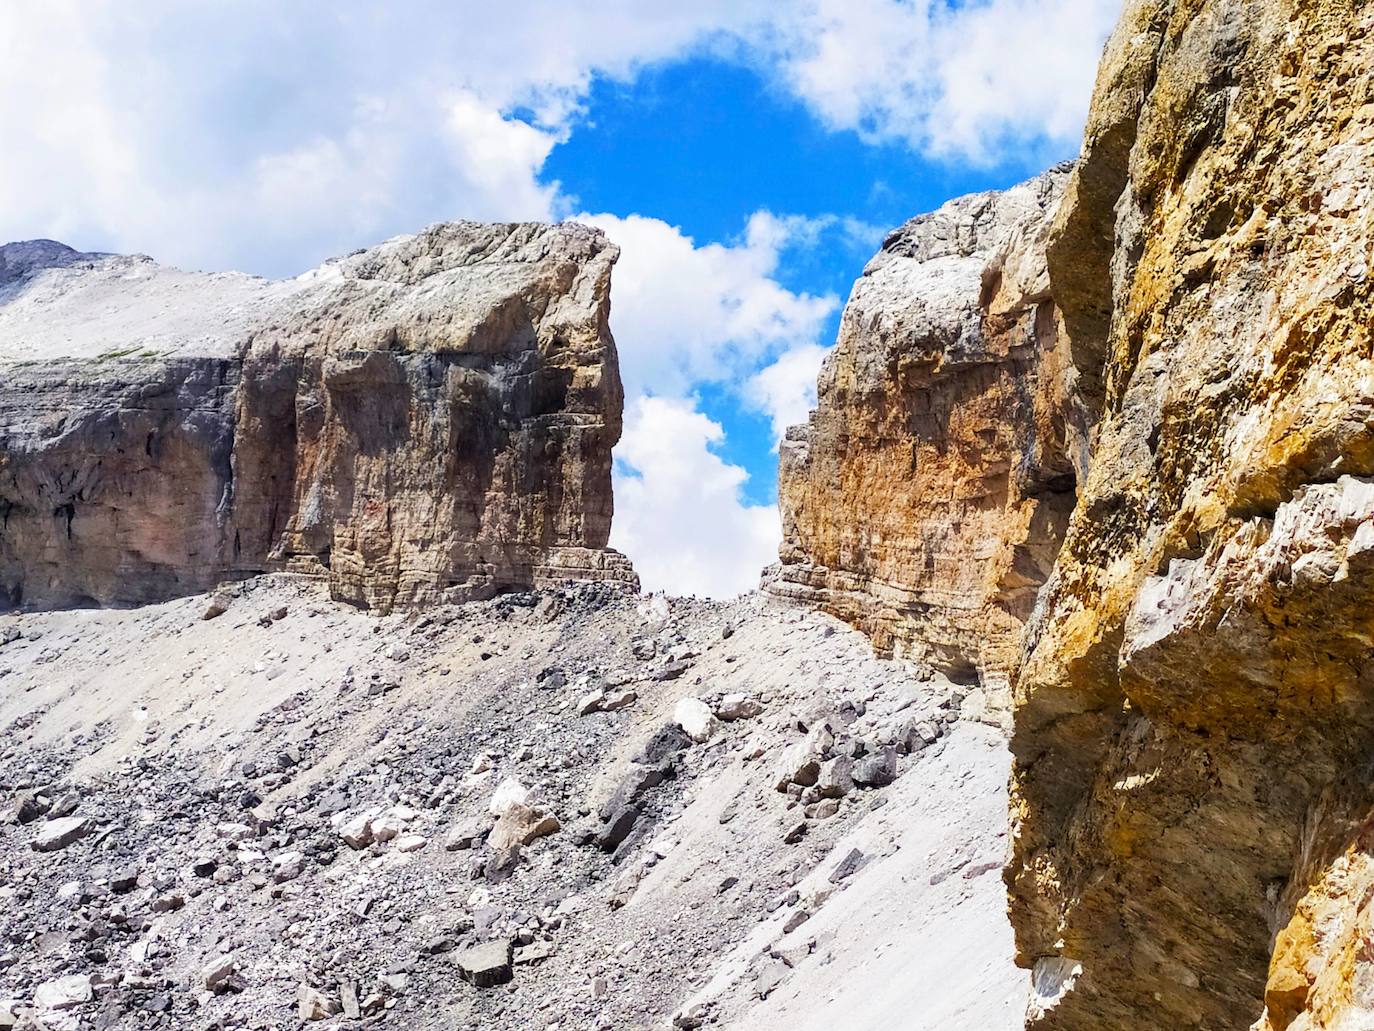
979, 81
268, 137
685, 313
786, 390
680, 510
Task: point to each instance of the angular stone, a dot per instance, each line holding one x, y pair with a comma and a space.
411, 842
216, 975
25, 807
695, 718
877, 770
348, 1001
521, 824
62, 993
217, 606
54, 835
834, 779
312, 1004
486, 965
797, 766
357, 831
467, 833
738, 707
617, 828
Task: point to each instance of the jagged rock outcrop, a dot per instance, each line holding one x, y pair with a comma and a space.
1194, 733
430, 418
925, 500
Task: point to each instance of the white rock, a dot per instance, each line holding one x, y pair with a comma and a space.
288, 866
411, 842
62, 993
695, 718
58, 834
216, 974
387, 826
357, 831
616, 700
507, 793
738, 707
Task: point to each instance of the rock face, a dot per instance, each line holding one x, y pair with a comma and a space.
431, 418
925, 500
1195, 717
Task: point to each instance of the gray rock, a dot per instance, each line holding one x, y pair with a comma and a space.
486, 965
834, 779
848, 866
58, 834
467, 833
876, 770
617, 828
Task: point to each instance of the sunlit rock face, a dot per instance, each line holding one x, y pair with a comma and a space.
429, 419
1194, 725
925, 500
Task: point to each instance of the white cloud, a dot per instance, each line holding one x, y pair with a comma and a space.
979, 81
268, 137
680, 513
685, 314
786, 390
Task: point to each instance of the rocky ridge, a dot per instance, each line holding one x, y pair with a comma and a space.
429, 419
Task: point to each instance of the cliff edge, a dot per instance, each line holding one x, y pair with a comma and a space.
1194, 722
429, 419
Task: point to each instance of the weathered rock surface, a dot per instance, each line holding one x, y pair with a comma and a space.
428, 419
1194, 719
925, 500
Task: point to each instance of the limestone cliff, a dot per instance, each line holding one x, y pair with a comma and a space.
1194, 732
431, 418
925, 500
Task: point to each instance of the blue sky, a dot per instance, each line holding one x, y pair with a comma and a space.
703, 143
747, 155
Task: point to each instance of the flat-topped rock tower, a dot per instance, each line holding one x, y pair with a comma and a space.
428, 419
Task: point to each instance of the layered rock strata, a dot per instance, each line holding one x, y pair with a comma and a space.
925, 499
431, 418
1194, 732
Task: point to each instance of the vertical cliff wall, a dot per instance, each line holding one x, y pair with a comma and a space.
430, 418
1194, 731
925, 500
